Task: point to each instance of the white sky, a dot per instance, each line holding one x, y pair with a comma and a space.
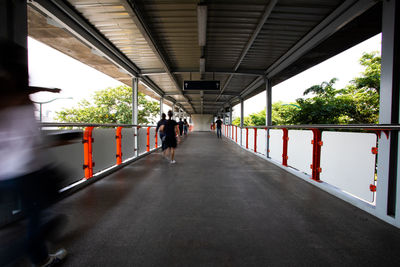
344, 66
50, 68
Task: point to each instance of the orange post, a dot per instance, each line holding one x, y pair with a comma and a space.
148, 139
88, 152
247, 137
317, 143
156, 140
232, 131
236, 134
118, 139
255, 139
285, 139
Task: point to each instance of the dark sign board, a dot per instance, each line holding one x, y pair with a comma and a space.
201, 85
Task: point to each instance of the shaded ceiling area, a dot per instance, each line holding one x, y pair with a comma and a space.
240, 44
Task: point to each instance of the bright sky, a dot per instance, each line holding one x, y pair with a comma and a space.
50, 68
344, 66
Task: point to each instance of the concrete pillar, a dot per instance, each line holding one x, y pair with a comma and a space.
13, 21
268, 111
135, 110
387, 193
173, 110
230, 114
161, 106
241, 120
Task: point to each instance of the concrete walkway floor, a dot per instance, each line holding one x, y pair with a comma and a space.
218, 206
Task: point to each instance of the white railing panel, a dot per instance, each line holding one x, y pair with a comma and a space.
142, 140
275, 145
74, 165
243, 137
348, 163
104, 149
128, 143
152, 138
261, 141
251, 139
300, 150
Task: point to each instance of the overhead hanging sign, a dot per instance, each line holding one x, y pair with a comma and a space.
201, 85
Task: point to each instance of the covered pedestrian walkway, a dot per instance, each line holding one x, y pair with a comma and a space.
218, 206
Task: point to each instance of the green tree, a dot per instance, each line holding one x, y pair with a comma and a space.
282, 114
111, 105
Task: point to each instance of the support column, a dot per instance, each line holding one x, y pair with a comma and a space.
241, 120
135, 86
268, 112
13, 21
230, 114
223, 116
161, 106
387, 193
173, 110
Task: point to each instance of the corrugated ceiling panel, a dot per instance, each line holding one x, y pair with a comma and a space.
112, 19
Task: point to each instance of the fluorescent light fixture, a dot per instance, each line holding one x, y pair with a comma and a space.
202, 24
202, 65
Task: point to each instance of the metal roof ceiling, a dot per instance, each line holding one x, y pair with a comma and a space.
247, 41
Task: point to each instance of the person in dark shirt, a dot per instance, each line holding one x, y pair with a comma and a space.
185, 127
163, 121
171, 131
180, 124
219, 126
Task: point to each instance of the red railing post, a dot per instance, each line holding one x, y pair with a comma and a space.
88, 152
156, 140
118, 137
285, 139
316, 161
255, 139
148, 139
236, 134
232, 132
247, 138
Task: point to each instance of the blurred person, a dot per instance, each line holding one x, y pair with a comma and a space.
23, 170
163, 121
180, 124
185, 126
219, 126
171, 131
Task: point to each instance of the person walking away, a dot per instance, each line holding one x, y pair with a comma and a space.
163, 121
219, 126
180, 124
22, 165
171, 131
185, 127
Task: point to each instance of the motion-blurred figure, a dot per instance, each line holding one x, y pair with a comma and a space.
23, 169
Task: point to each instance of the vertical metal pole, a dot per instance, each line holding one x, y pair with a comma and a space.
161, 106
173, 110
230, 114
135, 86
387, 171
13, 21
268, 113
241, 120
40, 112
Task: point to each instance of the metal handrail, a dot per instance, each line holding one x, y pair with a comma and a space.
395, 127
68, 124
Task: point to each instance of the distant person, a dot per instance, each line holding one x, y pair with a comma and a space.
171, 131
180, 124
185, 127
23, 170
219, 126
163, 121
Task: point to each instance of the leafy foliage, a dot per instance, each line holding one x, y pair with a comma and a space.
111, 105
357, 103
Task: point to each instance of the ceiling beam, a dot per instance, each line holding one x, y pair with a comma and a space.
225, 72
139, 20
76, 24
261, 22
342, 15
